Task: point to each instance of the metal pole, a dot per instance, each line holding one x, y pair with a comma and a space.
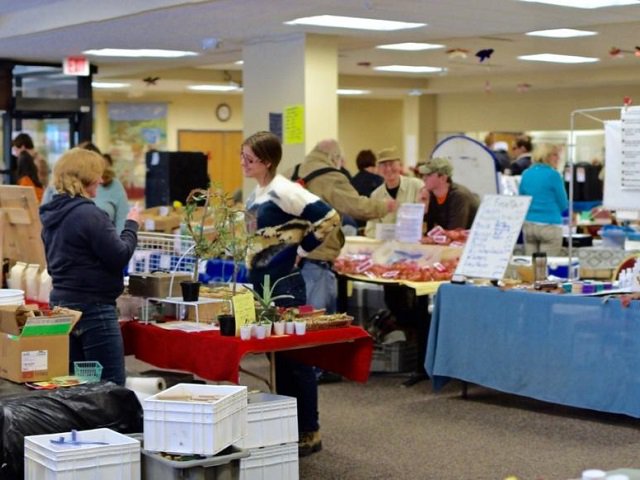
572, 155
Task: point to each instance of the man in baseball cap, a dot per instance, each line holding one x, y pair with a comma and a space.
396, 186
450, 205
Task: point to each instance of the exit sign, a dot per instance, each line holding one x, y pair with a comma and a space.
78, 66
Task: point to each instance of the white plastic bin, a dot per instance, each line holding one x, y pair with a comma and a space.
44, 460
278, 462
225, 466
272, 420
195, 419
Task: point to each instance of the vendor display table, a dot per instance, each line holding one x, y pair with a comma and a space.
346, 351
571, 350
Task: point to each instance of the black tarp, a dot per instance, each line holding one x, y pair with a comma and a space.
83, 407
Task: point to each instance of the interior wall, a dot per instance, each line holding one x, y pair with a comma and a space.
369, 124
533, 110
377, 123
185, 112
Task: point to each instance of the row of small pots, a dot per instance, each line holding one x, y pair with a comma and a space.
260, 331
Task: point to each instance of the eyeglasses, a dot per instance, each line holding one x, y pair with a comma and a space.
247, 159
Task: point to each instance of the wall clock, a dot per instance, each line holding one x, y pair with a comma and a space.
223, 112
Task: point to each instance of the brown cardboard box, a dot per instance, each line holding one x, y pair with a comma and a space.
39, 350
160, 219
156, 284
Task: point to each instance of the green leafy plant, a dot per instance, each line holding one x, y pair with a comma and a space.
267, 299
217, 228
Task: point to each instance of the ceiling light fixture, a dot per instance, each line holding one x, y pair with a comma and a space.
410, 46
408, 69
355, 23
213, 88
554, 58
139, 52
352, 91
109, 85
561, 33
586, 3
239, 62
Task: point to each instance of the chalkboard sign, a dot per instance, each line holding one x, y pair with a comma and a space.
493, 235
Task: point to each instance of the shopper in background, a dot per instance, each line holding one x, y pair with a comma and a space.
332, 186
85, 258
449, 205
500, 151
396, 186
111, 195
522, 152
542, 227
28, 174
290, 223
367, 178
21, 143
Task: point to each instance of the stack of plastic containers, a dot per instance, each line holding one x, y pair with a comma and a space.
272, 439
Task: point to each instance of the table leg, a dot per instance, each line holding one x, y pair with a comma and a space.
343, 293
272, 372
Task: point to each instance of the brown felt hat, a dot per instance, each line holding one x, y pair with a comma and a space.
388, 154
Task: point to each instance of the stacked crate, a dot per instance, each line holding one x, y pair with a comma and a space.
272, 438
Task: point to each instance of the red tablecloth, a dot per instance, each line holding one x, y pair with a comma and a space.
346, 351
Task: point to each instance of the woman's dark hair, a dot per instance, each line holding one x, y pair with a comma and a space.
267, 147
23, 140
27, 168
365, 159
88, 145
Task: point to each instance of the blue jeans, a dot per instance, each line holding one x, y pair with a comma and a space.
322, 289
97, 337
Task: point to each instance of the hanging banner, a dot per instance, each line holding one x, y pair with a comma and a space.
135, 129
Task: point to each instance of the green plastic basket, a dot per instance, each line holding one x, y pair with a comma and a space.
91, 371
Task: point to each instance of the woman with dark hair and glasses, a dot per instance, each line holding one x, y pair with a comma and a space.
290, 222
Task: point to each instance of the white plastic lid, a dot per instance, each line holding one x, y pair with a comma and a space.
594, 475
617, 476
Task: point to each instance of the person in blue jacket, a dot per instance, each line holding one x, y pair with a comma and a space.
86, 256
542, 229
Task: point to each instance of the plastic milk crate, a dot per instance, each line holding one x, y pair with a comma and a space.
277, 462
100, 454
272, 420
195, 419
395, 357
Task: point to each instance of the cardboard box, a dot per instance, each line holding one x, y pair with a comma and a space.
156, 284
160, 219
34, 347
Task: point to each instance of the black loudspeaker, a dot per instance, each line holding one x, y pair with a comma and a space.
172, 175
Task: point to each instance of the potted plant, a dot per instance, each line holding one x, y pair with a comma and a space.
268, 312
206, 217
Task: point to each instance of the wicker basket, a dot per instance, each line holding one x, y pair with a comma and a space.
323, 322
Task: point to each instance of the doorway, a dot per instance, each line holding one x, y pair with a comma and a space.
222, 150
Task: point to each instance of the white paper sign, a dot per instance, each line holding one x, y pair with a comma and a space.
385, 231
34, 361
409, 222
493, 235
630, 165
